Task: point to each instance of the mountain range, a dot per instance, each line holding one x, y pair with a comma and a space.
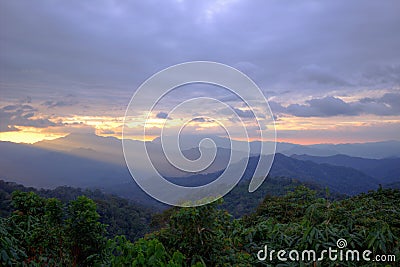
387, 170
91, 161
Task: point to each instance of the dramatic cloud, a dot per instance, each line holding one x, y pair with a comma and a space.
20, 115
310, 58
75, 45
324, 107
387, 105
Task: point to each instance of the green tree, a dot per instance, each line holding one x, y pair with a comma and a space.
144, 252
85, 234
37, 225
203, 234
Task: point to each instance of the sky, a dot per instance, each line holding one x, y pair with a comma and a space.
329, 69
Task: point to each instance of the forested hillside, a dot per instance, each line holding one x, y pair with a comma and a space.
122, 216
48, 232
117, 211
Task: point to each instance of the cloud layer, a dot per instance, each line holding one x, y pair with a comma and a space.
21, 115
387, 105
85, 59
115, 43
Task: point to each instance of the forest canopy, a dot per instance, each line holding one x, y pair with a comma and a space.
47, 231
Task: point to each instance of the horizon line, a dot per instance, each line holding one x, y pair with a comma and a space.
279, 140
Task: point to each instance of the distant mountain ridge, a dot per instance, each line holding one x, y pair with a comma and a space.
372, 150
387, 169
113, 146
340, 179
87, 160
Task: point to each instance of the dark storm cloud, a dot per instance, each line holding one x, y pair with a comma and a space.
323, 107
202, 119
162, 115
387, 105
21, 115
60, 103
120, 44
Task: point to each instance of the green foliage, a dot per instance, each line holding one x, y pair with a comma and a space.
44, 232
121, 252
197, 232
300, 220
10, 250
34, 230
48, 232
122, 217
288, 208
203, 234
85, 234
239, 202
